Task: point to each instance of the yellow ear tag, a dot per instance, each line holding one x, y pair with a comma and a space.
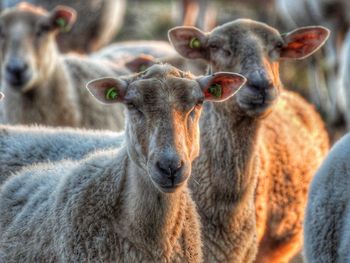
215, 90
195, 43
111, 94
63, 25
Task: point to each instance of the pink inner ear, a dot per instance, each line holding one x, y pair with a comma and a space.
303, 43
140, 63
228, 87
63, 17
66, 15
99, 88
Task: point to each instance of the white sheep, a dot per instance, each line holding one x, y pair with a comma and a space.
125, 205
327, 217
25, 145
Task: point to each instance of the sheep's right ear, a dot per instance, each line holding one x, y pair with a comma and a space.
189, 42
1, 96
221, 85
108, 90
62, 18
140, 63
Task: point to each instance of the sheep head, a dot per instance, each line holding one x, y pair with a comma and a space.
27, 41
163, 106
252, 49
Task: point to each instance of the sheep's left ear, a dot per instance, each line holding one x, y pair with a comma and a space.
1, 96
189, 42
303, 41
108, 90
62, 18
140, 63
221, 85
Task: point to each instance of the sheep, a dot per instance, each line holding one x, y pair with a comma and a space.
98, 22
124, 205
327, 217
41, 85
23, 145
258, 151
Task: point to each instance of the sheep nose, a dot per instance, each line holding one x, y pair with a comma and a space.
170, 167
259, 81
17, 73
16, 67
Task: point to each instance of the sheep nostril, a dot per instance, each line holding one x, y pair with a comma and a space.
170, 167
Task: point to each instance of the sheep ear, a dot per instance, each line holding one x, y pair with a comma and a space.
108, 90
221, 85
189, 42
140, 63
1, 96
303, 41
63, 18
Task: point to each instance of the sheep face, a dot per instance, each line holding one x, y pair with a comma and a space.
163, 109
252, 49
28, 46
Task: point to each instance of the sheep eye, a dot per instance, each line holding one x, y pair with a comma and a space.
43, 29
214, 46
228, 53
199, 103
131, 106
279, 45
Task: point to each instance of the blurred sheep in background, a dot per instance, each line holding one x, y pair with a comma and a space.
97, 24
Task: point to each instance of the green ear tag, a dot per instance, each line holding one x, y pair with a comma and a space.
195, 43
215, 90
111, 94
62, 23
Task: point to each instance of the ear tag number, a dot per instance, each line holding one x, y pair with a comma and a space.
215, 90
195, 43
62, 23
111, 94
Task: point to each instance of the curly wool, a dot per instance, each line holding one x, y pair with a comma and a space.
326, 227
100, 209
25, 145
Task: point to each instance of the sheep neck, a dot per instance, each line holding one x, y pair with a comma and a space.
154, 218
224, 179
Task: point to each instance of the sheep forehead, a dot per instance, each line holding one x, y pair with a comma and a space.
16, 14
164, 71
19, 22
165, 93
164, 84
243, 32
